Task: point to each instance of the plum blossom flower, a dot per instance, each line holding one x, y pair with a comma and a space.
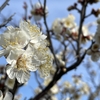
37, 11
63, 26
67, 87
94, 52
69, 21
12, 38
20, 62
95, 55
54, 89
59, 28
35, 36
85, 89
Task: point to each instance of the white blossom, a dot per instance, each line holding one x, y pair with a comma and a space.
69, 21
34, 34
20, 62
54, 89
94, 53
57, 27
95, 47
77, 80
68, 87
37, 11
85, 88
12, 38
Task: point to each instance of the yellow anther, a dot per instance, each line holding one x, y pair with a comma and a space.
21, 63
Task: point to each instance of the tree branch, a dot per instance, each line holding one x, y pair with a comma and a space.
6, 21
82, 17
4, 4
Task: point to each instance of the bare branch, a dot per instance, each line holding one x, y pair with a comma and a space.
48, 34
31, 4
6, 21
82, 17
4, 4
36, 77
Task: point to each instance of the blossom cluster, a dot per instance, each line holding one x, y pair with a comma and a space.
62, 28
94, 52
25, 49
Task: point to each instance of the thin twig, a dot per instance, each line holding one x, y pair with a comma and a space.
31, 4
3, 5
36, 77
48, 35
6, 21
78, 9
88, 15
82, 17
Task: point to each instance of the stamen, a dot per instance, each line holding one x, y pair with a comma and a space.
21, 63
12, 43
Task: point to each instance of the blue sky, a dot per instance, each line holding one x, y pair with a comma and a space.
57, 9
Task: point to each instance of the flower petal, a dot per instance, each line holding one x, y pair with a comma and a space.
22, 76
2, 52
10, 70
32, 68
13, 55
